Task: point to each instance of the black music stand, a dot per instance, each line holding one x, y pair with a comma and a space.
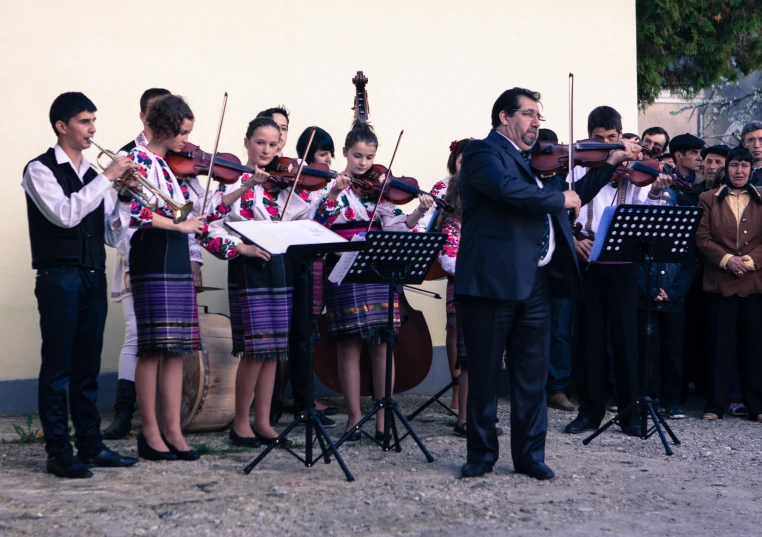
396, 258
310, 417
646, 234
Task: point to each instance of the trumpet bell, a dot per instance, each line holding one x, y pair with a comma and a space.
183, 212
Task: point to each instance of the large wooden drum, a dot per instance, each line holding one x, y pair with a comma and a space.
208, 402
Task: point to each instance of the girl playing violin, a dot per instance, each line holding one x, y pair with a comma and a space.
259, 286
162, 283
357, 312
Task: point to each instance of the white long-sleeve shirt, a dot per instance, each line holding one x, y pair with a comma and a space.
68, 211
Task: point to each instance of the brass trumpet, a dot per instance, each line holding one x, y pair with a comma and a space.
181, 212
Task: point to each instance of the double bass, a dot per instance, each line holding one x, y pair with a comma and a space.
413, 350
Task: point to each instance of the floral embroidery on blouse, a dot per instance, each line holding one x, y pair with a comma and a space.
439, 189
217, 246
141, 216
449, 251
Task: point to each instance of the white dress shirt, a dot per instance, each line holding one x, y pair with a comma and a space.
590, 214
68, 211
552, 236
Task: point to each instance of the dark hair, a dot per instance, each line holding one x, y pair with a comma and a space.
630, 136
67, 105
604, 117
270, 112
362, 131
459, 148
739, 153
260, 121
665, 155
720, 177
657, 130
508, 102
321, 142
751, 126
166, 116
547, 135
452, 196
151, 94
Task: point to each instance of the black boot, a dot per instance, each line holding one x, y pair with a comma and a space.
124, 408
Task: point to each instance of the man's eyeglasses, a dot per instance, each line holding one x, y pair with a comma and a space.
533, 114
752, 141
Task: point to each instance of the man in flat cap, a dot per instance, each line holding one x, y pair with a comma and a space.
714, 159
686, 150
751, 139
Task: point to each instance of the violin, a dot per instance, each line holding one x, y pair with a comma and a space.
399, 190
552, 158
641, 172
283, 171
192, 161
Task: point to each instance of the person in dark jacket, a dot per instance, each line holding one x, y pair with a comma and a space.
670, 283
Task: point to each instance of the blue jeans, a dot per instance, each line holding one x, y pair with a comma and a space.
72, 305
559, 369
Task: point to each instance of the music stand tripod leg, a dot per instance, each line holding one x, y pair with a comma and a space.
434, 399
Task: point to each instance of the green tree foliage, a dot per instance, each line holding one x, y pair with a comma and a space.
687, 45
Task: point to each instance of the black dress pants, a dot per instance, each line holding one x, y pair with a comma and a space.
72, 305
301, 330
610, 298
665, 356
735, 319
523, 329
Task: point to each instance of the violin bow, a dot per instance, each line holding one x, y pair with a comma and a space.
570, 177
383, 185
214, 153
298, 173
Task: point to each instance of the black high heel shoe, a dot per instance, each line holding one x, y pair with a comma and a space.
243, 441
190, 455
267, 440
150, 454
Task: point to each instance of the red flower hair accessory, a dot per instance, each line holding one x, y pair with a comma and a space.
453, 146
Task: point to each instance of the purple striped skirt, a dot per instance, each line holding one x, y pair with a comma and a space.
163, 291
260, 306
356, 311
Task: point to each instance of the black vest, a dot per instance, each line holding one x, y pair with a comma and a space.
54, 246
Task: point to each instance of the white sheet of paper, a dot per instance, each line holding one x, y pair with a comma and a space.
276, 237
345, 263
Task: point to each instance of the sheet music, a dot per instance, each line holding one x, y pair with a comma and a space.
345, 263
276, 237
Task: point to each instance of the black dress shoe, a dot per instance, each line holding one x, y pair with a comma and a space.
580, 424
330, 411
150, 454
106, 459
631, 429
538, 470
190, 455
471, 469
243, 441
66, 465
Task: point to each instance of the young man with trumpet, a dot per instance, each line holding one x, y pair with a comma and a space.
71, 214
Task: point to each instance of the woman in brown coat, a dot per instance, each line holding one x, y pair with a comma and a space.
730, 237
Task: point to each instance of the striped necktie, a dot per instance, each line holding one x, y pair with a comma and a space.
526, 155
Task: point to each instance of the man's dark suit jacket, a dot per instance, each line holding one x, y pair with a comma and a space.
503, 222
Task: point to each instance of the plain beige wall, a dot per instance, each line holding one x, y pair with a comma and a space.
434, 69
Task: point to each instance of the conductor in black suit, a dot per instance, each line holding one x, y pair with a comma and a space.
516, 249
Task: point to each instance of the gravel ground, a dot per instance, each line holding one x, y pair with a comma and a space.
617, 486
